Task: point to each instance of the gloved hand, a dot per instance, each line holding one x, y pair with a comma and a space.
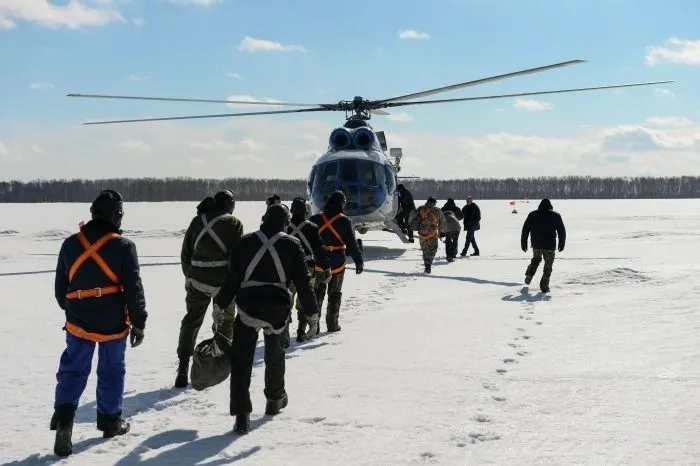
135, 336
359, 268
313, 327
327, 275
524, 248
561, 248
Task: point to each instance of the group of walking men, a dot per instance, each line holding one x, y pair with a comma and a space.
251, 279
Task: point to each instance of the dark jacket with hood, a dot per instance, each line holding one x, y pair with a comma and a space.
450, 206
544, 225
310, 232
105, 315
268, 303
228, 228
346, 231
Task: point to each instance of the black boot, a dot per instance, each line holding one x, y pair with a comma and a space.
333, 312
242, 424
112, 425
301, 331
275, 406
285, 337
62, 423
181, 380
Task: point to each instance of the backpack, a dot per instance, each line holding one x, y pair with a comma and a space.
211, 364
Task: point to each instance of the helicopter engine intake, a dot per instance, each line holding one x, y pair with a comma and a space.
363, 138
340, 138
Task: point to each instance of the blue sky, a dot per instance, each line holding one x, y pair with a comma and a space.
322, 51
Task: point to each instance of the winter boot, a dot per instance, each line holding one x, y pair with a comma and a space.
242, 424
333, 312
475, 253
275, 406
427, 267
62, 423
301, 331
112, 425
181, 380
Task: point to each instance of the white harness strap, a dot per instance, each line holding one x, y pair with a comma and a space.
208, 229
300, 234
267, 246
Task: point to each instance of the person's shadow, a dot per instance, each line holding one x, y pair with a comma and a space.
525, 296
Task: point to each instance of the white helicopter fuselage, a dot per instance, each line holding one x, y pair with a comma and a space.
368, 179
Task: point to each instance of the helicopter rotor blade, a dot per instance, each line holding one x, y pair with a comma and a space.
223, 115
216, 101
520, 94
380, 112
476, 82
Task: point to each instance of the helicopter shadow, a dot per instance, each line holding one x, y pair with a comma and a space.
371, 252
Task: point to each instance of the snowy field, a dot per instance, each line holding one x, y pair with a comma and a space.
462, 367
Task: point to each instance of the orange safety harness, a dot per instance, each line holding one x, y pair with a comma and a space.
433, 223
328, 225
91, 252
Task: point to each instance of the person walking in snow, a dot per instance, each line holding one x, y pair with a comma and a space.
472, 223
428, 221
451, 234
261, 269
99, 287
208, 242
543, 226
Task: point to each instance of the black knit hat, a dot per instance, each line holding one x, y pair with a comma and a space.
298, 205
108, 207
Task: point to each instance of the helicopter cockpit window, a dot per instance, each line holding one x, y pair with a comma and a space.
366, 173
390, 179
348, 171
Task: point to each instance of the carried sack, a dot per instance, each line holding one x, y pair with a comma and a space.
211, 364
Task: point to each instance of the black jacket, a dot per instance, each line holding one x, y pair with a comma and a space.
267, 302
104, 315
310, 232
406, 201
343, 225
472, 216
450, 206
543, 225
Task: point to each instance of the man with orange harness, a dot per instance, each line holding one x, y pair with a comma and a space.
98, 285
337, 234
429, 221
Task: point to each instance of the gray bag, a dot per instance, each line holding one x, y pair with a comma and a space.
211, 363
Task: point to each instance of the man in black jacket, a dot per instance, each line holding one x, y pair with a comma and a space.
543, 225
406, 206
315, 255
98, 285
337, 234
472, 223
260, 271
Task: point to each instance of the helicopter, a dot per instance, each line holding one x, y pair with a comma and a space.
356, 160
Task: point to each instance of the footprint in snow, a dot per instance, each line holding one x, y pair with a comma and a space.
510, 361
499, 398
483, 437
482, 418
501, 371
489, 386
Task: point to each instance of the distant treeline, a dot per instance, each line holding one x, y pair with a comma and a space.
247, 189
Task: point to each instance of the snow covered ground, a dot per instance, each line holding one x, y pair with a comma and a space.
460, 367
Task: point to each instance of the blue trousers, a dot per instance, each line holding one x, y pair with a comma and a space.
74, 370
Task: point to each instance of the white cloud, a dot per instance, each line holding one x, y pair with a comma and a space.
195, 2
74, 15
135, 145
234, 75
271, 147
3, 149
138, 22
6, 23
249, 98
532, 105
251, 44
678, 51
670, 121
412, 34
400, 116
41, 86
138, 78
667, 93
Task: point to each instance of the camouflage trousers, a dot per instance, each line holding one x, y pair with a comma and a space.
429, 248
334, 289
537, 255
199, 296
